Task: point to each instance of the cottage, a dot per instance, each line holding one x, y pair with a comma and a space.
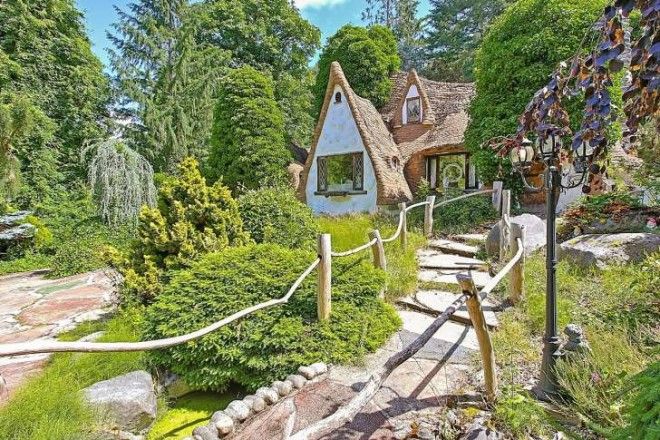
362, 158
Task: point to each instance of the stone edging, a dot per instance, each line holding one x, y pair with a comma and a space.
227, 421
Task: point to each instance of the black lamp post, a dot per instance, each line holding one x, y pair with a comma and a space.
522, 158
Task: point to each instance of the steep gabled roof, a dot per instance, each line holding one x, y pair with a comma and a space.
378, 141
448, 103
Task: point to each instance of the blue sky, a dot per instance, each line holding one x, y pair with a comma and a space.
327, 15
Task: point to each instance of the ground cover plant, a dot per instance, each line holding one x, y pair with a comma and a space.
618, 308
49, 407
73, 238
273, 342
275, 215
351, 231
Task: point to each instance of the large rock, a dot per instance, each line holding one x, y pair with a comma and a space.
127, 402
604, 249
534, 234
13, 219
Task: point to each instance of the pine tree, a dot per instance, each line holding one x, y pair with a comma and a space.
400, 16
456, 29
146, 43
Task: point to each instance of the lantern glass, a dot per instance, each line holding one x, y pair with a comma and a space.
585, 151
550, 146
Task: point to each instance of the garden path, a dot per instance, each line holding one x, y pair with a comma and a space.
33, 307
442, 372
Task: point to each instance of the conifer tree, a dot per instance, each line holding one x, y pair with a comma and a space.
456, 28
248, 149
400, 16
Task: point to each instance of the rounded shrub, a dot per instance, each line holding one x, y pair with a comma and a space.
275, 215
272, 343
518, 53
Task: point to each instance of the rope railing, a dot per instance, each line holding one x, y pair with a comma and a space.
464, 196
354, 250
90, 347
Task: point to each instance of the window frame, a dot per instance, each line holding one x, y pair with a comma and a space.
419, 117
467, 156
357, 171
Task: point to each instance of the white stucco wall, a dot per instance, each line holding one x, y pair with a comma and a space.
412, 93
340, 135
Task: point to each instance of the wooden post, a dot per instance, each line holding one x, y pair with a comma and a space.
497, 195
428, 216
378, 250
324, 294
483, 337
517, 274
404, 226
505, 233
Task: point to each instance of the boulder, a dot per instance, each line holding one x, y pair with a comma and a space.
534, 234
128, 401
17, 233
601, 250
13, 219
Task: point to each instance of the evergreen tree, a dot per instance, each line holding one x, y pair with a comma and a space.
46, 57
271, 36
146, 45
456, 29
368, 58
400, 16
248, 149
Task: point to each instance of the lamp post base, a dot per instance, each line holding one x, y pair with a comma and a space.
547, 389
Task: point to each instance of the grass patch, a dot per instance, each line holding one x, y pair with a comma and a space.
188, 412
353, 230
49, 407
619, 310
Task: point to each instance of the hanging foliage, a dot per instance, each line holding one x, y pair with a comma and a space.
592, 75
121, 181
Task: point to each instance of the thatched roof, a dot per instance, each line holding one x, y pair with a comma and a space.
448, 104
378, 141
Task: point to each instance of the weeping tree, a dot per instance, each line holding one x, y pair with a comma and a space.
121, 181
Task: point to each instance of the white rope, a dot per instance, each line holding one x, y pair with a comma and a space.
398, 229
354, 251
88, 347
464, 196
416, 205
505, 270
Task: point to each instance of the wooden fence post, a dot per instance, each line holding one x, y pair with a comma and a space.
483, 337
404, 226
505, 232
517, 274
378, 250
497, 195
324, 293
428, 216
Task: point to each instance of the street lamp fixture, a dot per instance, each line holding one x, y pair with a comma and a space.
548, 150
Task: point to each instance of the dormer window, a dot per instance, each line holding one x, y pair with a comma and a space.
414, 109
337, 97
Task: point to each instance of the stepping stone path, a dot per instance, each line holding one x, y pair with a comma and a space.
35, 308
443, 367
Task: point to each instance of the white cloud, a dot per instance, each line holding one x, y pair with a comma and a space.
302, 4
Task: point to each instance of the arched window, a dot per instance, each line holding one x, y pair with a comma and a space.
395, 163
337, 97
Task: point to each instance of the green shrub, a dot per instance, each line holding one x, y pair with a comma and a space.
270, 344
457, 217
521, 48
642, 411
190, 220
71, 238
247, 144
275, 215
368, 56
